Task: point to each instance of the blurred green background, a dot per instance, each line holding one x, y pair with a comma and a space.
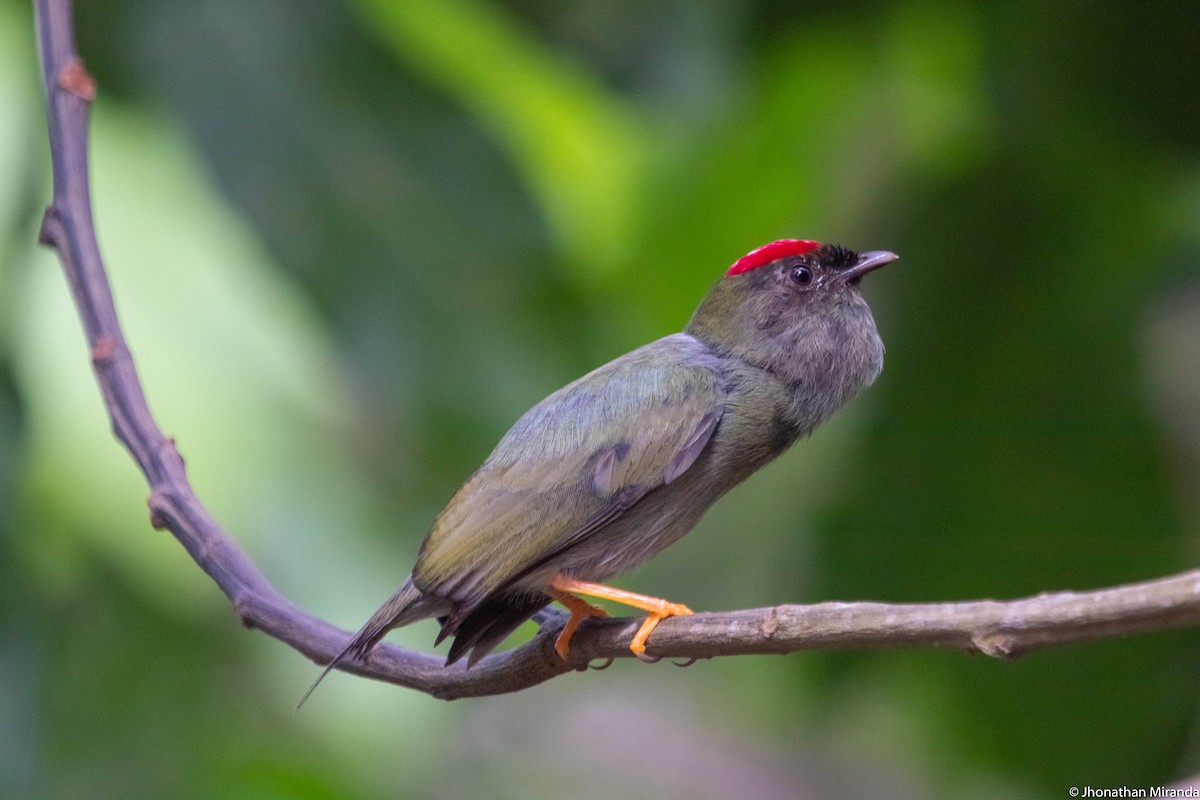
353, 241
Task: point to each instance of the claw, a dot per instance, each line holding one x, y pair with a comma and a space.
608, 662
687, 663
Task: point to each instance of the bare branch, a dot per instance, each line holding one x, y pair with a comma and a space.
1000, 629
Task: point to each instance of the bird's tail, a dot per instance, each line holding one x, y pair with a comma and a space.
407, 605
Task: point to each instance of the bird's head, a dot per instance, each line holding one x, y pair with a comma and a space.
794, 308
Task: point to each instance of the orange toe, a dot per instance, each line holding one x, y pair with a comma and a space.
563, 589
580, 610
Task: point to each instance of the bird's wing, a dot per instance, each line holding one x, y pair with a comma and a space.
574, 463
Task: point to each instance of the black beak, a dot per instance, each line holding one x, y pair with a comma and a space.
867, 262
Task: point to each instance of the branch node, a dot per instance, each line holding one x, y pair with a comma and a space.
104, 349
170, 448
770, 624
997, 644
159, 519
49, 233
76, 80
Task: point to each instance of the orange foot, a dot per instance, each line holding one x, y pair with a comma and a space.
564, 589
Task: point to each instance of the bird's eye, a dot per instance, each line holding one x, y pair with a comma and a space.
801, 276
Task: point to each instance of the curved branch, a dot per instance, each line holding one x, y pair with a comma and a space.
1001, 629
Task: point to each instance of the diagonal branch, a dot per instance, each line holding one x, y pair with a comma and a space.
1001, 629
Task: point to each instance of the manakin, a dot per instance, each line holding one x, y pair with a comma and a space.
609, 470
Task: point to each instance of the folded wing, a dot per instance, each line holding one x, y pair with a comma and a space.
571, 465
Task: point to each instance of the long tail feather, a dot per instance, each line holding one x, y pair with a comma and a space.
405, 606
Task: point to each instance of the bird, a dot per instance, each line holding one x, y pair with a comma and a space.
609, 470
